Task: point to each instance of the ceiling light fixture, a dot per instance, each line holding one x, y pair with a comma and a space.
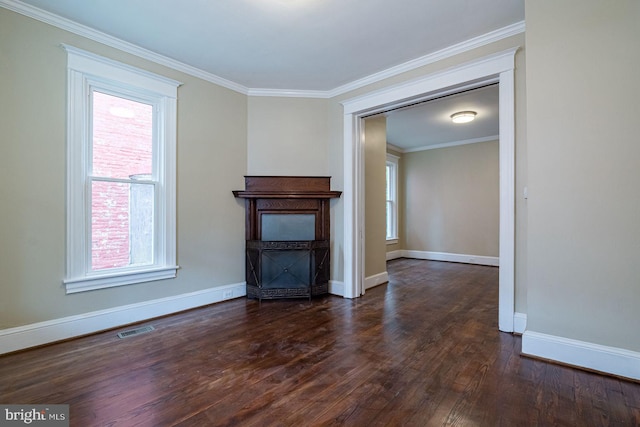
463, 116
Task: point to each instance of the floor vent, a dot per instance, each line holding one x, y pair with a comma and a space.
136, 331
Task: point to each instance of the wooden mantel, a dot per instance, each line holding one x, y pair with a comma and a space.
287, 187
287, 194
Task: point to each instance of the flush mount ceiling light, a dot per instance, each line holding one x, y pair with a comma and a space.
463, 116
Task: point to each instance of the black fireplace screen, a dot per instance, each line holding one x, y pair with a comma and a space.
287, 268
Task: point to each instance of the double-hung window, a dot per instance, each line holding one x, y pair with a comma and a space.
121, 174
392, 198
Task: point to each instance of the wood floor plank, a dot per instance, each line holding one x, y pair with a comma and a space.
422, 350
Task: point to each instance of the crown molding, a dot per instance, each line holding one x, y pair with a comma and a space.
476, 42
106, 39
450, 144
395, 148
100, 37
289, 93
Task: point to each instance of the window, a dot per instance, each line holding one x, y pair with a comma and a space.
392, 198
121, 173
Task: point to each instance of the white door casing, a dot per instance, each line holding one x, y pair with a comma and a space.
497, 68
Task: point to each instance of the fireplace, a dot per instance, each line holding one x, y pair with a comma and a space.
287, 236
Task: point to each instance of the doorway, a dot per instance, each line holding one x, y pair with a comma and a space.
497, 68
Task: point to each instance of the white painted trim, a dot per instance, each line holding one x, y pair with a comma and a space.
452, 144
451, 257
507, 158
394, 148
610, 360
336, 288
35, 334
97, 65
353, 197
391, 255
499, 68
100, 37
289, 93
474, 43
87, 71
376, 280
89, 283
469, 75
519, 323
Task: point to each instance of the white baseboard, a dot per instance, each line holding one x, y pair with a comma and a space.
394, 255
375, 280
446, 256
35, 334
519, 323
610, 360
336, 288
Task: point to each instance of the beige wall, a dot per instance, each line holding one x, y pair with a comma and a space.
375, 158
584, 156
452, 199
287, 136
212, 158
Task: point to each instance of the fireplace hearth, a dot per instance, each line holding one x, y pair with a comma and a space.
287, 236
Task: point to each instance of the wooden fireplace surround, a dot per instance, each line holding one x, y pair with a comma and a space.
287, 195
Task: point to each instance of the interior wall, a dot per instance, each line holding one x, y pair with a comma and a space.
375, 158
287, 136
584, 209
212, 159
452, 199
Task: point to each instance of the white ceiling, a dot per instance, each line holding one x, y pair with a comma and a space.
306, 45
429, 125
290, 44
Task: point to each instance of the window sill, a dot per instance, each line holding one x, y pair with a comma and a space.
91, 283
392, 241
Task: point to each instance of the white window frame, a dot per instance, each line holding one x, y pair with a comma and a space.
392, 163
87, 72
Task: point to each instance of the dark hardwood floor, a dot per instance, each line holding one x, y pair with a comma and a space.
422, 350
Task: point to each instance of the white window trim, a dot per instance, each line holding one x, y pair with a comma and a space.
86, 70
393, 161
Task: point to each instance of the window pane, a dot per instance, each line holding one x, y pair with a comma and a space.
122, 137
121, 224
389, 219
388, 183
